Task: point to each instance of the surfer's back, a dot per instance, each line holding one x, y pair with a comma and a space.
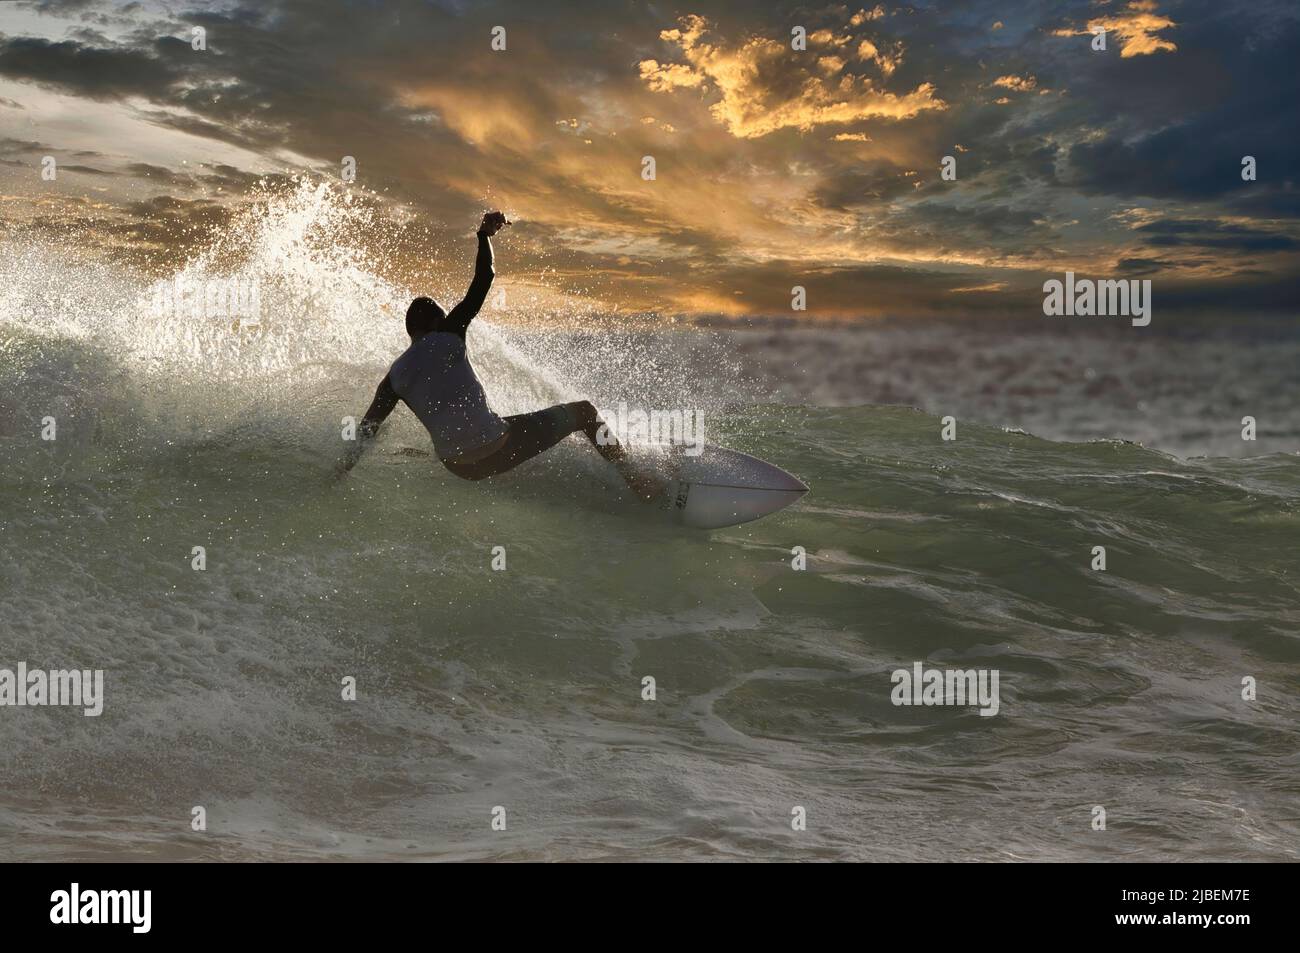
435, 379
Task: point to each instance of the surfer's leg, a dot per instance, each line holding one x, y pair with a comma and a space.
530, 435
602, 438
535, 433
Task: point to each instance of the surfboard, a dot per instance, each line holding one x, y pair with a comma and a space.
721, 487
716, 488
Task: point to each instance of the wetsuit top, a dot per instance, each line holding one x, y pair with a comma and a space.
436, 380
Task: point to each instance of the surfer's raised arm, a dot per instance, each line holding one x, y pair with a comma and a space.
385, 400
461, 315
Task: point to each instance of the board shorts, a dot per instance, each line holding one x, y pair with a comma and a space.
529, 435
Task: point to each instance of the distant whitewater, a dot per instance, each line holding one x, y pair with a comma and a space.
524, 688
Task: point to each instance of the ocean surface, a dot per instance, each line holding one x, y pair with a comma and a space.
522, 689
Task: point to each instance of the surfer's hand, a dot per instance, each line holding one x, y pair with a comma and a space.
492, 223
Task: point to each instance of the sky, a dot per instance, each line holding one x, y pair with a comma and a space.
773, 166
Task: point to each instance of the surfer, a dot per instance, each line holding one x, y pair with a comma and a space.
435, 379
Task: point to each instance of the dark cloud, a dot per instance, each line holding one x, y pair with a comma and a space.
157, 173
1177, 125
877, 290
867, 184
9, 146
92, 72
1135, 267
1203, 233
89, 37
164, 227
992, 230
60, 8
85, 170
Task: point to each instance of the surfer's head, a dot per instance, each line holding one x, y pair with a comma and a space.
424, 315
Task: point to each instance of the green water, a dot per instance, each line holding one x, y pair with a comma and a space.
523, 688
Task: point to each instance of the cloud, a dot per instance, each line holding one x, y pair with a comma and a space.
166, 224
865, 16
1206, 233
554, 130
862, 184
1020, 84
59, 7
1137, 28
1143, 266
92, 72
759, 88
887, 61
1186, 160
9, 146
663, 78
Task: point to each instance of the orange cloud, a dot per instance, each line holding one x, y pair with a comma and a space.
1020, 84
1136, 28
669, 76
477, 116
756, 94
862, 16
886, 61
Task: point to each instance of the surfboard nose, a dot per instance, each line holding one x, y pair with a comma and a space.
774, 478
796, 484
785, 483
726, 487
